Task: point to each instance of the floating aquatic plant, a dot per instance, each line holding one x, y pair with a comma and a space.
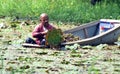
54, 37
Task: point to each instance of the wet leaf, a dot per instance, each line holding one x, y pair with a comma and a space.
7, 41
49, 60
74, 51
117, 70
41, 53
71, 72
25, 67
118, 43
13, 62
101, 46
76, 46
87, 47
72, 47
65, 62
9, 68
13, 25
75, 55
55, 53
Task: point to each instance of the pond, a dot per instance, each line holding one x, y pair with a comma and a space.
15, 59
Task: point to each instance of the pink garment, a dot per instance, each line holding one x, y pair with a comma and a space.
36, 32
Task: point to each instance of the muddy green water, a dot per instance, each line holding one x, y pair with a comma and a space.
15, 59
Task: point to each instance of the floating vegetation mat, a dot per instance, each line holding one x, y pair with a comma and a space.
14, 59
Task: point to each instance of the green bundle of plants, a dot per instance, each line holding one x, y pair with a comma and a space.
54, 37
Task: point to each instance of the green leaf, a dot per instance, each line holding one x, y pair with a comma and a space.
101, 46
87, 47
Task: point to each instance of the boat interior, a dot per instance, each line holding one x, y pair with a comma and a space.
93, 28
85, 31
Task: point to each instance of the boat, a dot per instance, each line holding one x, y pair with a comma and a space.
28, 45
90, 33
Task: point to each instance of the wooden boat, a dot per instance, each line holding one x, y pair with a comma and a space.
90, 33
